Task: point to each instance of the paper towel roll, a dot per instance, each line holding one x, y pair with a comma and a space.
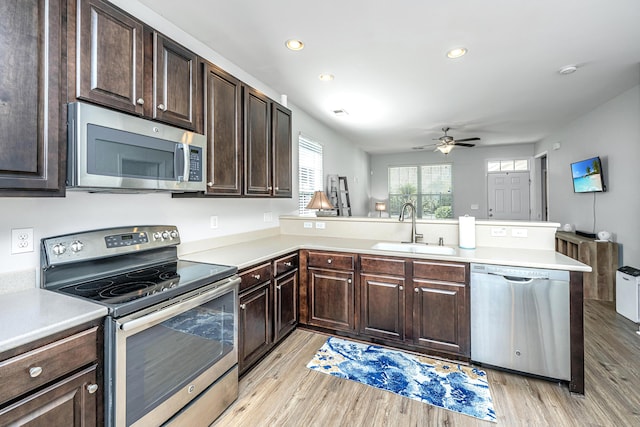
467, 231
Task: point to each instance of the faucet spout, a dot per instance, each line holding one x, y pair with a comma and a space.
414, 236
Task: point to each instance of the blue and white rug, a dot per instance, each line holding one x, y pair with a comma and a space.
450, 386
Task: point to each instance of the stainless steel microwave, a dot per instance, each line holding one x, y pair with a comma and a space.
112, 151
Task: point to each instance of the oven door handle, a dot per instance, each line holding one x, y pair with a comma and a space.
179, 307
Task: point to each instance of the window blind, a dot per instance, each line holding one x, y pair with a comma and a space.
309, 171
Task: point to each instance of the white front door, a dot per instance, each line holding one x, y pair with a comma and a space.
508, 195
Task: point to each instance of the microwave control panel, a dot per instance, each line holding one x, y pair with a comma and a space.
195, 164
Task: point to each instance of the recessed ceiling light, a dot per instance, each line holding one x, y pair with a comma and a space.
340, 113
456, 53
326, 77
294, 44
569, 69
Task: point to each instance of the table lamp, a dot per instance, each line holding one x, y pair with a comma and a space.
320, 202
381, 206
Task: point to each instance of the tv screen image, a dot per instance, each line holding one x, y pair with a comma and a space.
587, 176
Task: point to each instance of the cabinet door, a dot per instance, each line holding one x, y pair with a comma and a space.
254, 334
174, 83
223, 110
32, 148
286, 304
281, 125
110, 57
332, 300
257, 143
382, 306
69, 402
441, 316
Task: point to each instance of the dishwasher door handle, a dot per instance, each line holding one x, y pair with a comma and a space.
516, 279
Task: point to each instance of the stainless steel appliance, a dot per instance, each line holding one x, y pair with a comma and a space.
171, 332
109, 150
520, 319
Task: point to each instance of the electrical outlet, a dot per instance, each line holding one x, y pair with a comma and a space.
320, 225
308, 224
21, 240
213, 221
498, 231
519, 232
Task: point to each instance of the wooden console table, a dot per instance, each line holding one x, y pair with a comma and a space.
600, 284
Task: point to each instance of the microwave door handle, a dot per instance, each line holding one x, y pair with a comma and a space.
186, 165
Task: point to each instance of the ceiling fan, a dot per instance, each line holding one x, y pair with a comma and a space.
447, 142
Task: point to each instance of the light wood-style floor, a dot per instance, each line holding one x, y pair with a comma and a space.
281, 391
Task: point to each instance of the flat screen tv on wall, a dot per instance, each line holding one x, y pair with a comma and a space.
587, 176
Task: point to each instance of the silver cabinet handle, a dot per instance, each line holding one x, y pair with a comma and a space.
256, 276
162, 107
209, 184
288, 264
35, 371
279, 287
277, 188
416, 290
243, 306
329, 261
401, 288
92, 388
349, 280
140, 101
270, 188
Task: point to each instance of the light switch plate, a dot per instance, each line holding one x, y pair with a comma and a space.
320, 225
308, 224
519, 232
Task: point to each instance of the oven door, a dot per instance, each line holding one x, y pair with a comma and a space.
164, 359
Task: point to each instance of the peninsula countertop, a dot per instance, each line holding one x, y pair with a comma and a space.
246, 254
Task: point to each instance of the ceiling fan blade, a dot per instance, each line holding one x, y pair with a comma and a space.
463, 144
467, 139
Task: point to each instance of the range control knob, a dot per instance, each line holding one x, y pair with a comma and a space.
165, 234
76, 246
157, 236
59, 248
174, 234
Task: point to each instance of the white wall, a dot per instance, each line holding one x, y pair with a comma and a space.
469, 172
84, 211
611, 131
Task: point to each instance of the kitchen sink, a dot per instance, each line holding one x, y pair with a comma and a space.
417, 248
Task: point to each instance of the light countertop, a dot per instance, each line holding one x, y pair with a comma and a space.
31, 314
247, 254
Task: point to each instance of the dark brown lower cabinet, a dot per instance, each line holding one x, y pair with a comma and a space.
63, 404
441, 316
331, 299
285, 304
382, 306
254, 333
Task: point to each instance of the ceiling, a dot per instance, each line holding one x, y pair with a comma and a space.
392, 74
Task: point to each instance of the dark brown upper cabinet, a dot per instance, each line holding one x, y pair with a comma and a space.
32, 149
257, 143
122, 64
223, 114
282, 162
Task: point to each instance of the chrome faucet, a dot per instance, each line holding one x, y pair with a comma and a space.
414, 236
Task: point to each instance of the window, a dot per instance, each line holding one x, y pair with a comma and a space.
309, 171
507, 165
428, 187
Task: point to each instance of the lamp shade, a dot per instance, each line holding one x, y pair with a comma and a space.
381, 206
319, 201
445, 149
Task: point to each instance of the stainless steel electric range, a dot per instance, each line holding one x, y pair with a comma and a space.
171, 332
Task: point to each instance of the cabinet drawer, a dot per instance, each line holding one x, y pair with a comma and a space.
332, 260
369, 264
448, 272
42, 365
254, 276
288, 263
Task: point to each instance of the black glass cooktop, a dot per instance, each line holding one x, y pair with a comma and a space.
140, 288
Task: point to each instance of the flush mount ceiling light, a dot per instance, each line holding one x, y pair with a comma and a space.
456, 53
340, 113
294, 44
569, 69
326, 77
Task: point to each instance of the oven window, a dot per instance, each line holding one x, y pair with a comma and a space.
164, 358
124, 154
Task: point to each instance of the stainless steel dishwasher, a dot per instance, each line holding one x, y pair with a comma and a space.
520, 319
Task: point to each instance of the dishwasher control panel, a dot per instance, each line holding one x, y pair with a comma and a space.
519, 272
